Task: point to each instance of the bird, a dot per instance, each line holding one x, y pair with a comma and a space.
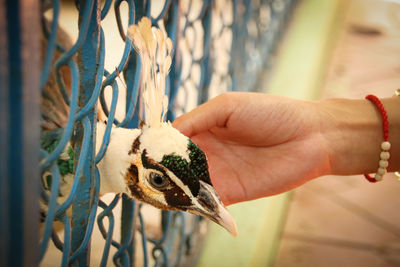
154, 163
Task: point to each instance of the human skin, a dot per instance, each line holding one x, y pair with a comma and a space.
260, 145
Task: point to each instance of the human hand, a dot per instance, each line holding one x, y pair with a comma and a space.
257, 145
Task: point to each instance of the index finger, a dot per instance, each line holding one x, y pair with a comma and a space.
214, 113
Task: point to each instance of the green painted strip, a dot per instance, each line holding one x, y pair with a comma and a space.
267, 247
252, 246
298, 73
304, 53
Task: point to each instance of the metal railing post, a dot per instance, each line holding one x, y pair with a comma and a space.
87, 57
19, 132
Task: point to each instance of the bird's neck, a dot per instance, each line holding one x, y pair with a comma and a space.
117, 159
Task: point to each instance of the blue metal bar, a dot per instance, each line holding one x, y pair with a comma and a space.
174, 76
107, 132
132, 80
19, 137
82, 196
164, 262
67, 241
144, 240
66, 246
107, 235
132, 74
79, 170
91, 220
52, 204
85, 16
159, 245
105, 9
85, 202
4, 136
127, 228
99, 77
132, 77
234, 29
102, 99
45, 163
164, 10
56, 241
182, 240
206, 67
132, 99
111, 77
131, 15
51, 44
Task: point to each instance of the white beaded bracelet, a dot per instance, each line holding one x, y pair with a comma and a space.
383, 162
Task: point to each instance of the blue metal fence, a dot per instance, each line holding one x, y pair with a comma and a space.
239, 33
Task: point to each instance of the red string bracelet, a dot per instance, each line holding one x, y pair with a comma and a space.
385, 146
397, 93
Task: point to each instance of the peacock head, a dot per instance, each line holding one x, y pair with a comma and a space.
170, 172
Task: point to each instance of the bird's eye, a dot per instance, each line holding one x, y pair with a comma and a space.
158, 181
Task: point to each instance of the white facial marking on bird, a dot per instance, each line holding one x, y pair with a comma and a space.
163, 140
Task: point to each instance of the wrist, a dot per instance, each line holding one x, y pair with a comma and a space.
352, 130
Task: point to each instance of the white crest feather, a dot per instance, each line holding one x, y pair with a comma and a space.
154, 48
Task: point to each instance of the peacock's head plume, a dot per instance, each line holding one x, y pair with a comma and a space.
167, 169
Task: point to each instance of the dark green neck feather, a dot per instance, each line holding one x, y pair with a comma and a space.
189, 173
49, 141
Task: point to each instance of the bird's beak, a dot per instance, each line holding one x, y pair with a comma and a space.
210, 206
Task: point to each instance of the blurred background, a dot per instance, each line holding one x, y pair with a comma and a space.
346, 221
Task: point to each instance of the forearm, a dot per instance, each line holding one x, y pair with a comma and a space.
352, 130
